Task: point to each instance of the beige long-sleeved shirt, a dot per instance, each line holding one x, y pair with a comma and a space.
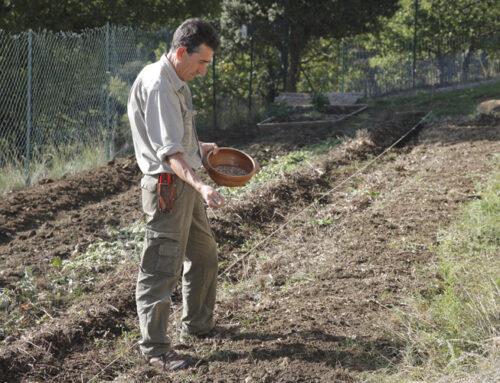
162, 119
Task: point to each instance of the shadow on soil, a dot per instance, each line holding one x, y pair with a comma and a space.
482, 128
314, 346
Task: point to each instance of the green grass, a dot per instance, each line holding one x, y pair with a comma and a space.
281, 165
12, 177
452, 331
457, 103
54, 163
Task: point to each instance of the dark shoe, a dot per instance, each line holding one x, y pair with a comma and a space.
219, 331
171, 361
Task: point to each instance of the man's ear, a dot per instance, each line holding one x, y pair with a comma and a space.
180, 52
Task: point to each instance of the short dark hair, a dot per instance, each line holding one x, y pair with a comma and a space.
194, 32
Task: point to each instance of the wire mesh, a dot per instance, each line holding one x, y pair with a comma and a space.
13, 90
130, 50
73, 95
67, 91
437, 63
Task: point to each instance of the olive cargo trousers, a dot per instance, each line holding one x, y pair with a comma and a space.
181, 237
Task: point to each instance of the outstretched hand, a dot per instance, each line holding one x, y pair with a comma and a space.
211, 196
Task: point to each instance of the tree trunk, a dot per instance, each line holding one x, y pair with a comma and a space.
293, 75
297, 44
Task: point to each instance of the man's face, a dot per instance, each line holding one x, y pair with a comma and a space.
191, 65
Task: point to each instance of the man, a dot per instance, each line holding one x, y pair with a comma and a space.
166, 146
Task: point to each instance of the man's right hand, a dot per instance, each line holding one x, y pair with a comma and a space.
186, 173
211, 196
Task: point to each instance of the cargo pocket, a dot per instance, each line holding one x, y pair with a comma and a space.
149, 197
161, 254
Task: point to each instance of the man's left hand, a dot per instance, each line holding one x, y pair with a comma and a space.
207, 147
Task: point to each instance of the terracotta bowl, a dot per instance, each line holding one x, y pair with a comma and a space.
230, 158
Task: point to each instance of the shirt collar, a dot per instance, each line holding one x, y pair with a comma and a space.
169, 68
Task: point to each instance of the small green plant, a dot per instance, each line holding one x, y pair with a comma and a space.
319, 100
280, 109
322, 222
57, 262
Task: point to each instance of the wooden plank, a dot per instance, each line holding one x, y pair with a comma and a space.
267, 123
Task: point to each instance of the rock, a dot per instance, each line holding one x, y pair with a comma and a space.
4, 304
489, 107
10, 339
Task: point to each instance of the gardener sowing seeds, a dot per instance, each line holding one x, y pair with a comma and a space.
177, 230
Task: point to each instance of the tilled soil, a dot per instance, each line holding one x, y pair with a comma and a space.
334, 255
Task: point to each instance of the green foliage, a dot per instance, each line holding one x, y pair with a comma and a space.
57, 262
321, 62
76, 15
319, 100
443, 28
69, 96
119, 91
307, 22
280, 109
12, 177
323, 221
456, 42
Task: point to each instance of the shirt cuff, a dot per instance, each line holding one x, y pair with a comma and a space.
168, 150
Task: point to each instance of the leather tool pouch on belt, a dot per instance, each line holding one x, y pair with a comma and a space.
167, 186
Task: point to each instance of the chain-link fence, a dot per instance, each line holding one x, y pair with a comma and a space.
61, 93
376, 68
429, 64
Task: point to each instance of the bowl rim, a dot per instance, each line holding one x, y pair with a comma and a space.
208, 165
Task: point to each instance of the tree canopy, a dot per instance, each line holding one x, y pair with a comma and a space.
306, 21
75, 15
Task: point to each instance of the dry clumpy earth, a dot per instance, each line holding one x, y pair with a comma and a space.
339, 243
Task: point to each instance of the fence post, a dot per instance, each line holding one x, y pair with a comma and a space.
251, 72
28, 108
215, 94
342, 65
408, 60
415, 43
168, 39
108, 95
284, 53
464, 48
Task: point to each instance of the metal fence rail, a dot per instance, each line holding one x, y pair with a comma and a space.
61, 93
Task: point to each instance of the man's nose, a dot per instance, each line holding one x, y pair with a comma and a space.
202, 69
